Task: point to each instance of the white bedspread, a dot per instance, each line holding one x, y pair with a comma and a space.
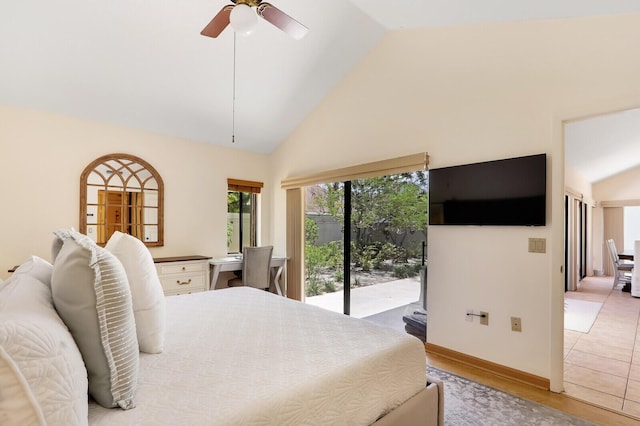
242, 356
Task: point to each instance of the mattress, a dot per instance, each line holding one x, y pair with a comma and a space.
241, 356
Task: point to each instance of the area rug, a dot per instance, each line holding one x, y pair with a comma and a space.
468, 403
579, 315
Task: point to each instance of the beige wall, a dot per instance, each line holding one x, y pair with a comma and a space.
576, 184
42, 156
469, 94
621, 187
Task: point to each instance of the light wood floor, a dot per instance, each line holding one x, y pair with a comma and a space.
559, 401
603, 365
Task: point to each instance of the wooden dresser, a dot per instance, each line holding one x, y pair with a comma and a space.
183, 274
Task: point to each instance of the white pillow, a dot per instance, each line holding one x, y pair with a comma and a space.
38, 268
43, 379
59, 236
146, 290
91, 294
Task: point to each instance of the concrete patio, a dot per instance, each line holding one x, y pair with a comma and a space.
373, 299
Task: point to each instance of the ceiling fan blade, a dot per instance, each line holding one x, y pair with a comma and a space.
281, 20
218, 23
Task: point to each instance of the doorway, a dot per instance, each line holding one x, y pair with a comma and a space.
599, 358
110, 212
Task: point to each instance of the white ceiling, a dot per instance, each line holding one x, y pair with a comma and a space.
603, 146
143, 64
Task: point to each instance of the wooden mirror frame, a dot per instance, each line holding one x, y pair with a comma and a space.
135, 176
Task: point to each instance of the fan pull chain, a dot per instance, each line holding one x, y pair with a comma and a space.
233, 108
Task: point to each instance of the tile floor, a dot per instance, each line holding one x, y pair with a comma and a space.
603, 365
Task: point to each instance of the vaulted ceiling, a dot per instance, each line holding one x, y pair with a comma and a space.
603, 146
144, 64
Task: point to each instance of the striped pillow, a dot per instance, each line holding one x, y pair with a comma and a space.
91, 294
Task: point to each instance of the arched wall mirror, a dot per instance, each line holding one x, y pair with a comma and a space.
121, 192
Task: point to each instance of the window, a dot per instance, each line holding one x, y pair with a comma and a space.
242, 202
631, 226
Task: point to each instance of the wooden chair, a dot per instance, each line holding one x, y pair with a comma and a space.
621, 270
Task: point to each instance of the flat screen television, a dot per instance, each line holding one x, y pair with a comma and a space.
509, 192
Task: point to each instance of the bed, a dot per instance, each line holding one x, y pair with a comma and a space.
236, 356
245, 356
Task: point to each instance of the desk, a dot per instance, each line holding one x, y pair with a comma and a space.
234, 263
626, 255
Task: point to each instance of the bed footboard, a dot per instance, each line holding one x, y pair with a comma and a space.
426, 408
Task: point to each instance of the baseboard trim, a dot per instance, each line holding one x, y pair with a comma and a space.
491, 367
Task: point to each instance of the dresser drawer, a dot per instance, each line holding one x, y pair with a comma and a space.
181, 268
183, 274
183, 283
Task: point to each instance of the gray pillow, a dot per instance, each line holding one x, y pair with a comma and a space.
91, 294
59, 236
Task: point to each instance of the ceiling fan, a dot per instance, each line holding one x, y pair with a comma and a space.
243, 19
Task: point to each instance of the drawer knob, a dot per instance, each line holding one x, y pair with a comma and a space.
184, 268
184, 282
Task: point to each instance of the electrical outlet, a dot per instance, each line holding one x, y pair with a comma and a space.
516, 324
484, 318
469, 315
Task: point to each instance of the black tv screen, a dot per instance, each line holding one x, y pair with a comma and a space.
503, 192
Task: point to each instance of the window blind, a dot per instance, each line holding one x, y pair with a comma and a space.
244, 186
409, 163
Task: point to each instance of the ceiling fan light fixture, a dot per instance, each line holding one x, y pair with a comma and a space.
243, 20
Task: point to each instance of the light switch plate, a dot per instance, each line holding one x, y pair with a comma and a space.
537, 245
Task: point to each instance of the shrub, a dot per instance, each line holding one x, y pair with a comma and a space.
329, 287
406, 270
314, 259
312, 288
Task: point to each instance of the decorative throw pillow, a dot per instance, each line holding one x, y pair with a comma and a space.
43, 379
91, 294
38, 268
146, 290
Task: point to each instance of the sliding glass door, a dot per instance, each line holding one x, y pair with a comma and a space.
389, 225
324, 247
365, 242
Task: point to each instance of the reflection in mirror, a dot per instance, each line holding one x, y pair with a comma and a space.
121, 192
